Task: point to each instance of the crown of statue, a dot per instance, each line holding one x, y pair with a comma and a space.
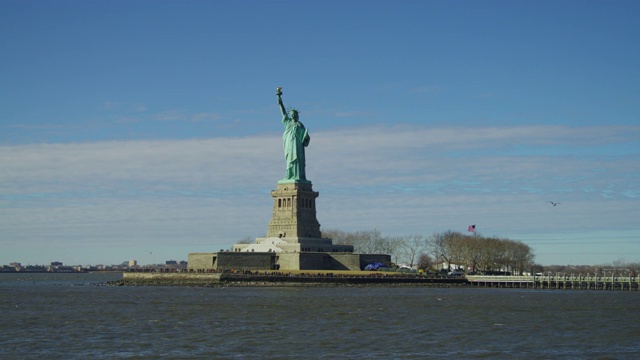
294, 110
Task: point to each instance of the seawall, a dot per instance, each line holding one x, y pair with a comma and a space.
168, 279
234, 279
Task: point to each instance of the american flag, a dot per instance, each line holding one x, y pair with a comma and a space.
472, 228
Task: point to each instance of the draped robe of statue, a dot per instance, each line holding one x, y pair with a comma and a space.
294, 139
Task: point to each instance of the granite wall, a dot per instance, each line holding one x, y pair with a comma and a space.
233, 260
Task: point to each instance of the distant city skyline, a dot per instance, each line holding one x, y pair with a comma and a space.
148, 130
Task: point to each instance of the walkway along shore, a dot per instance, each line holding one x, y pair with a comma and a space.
559, 281
226, 279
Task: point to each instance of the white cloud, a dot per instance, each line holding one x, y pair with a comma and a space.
171, 115
110, 105
403, 180
354, 113
206, 117
425, 89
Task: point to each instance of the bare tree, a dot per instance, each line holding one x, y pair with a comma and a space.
444, 247
455, 244
411, 248
364, 242
392, 246
521, 256
437, 249
472, 251
425, 261
247, 240
495, 255
339, 237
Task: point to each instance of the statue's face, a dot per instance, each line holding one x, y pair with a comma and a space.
294, 115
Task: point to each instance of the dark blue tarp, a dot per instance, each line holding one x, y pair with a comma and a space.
375, 266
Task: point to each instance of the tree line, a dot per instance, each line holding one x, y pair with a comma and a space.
486, 254
453, 249
476, 252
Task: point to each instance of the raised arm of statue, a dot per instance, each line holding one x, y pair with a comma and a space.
282, 109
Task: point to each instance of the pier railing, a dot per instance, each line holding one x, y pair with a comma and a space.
559, 281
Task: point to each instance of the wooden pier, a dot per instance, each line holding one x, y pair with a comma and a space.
558, 281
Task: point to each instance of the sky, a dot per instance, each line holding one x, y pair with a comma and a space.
147, 130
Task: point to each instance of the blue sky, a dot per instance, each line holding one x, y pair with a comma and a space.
149, 129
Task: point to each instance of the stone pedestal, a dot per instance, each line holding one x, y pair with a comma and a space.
294, 211
293, 241
294, 227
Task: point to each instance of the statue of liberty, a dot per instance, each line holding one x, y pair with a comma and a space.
294, 139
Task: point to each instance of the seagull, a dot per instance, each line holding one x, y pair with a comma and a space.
554, 204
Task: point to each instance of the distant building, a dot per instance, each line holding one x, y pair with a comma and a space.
7, 268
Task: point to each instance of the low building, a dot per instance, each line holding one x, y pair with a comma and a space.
293, 241
240, 261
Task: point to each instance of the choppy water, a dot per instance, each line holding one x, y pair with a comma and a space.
63, 316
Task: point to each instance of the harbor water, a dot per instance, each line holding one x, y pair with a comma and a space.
75, 316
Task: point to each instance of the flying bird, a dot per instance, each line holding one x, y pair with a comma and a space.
553, 203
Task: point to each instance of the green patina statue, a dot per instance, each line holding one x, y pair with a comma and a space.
294, 139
